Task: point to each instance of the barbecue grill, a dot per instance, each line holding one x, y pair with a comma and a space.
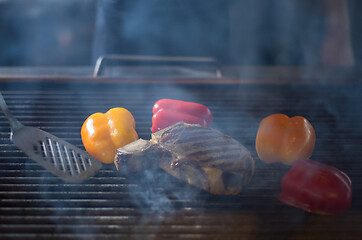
153, 205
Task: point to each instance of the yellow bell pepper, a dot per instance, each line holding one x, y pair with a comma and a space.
102, 134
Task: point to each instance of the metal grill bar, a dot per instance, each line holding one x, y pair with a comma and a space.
36, 205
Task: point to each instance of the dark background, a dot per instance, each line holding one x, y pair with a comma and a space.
46, 33
247, 32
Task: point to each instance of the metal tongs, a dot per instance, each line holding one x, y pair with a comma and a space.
61, 158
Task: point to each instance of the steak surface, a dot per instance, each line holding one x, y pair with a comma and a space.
203, 157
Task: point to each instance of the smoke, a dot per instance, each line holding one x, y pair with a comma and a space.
159, 193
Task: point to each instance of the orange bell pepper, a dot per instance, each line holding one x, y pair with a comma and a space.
284, 139
102, 134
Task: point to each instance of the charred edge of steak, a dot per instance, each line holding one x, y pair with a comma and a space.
233, 183
139, 155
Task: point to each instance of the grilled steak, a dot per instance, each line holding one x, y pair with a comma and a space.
203, 157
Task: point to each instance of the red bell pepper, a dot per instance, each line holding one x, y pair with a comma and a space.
167, 112
316, 187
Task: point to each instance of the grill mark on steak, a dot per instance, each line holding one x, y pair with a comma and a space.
214, 150
186, 137
224, 162
207, 139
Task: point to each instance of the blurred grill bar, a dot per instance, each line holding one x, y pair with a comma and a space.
151, 204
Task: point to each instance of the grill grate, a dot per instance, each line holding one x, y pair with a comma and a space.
151, 204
